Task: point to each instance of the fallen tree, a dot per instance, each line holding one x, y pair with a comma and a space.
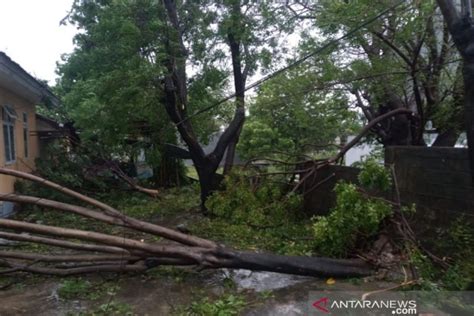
111, 253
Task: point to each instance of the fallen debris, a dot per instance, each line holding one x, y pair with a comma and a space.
111, 253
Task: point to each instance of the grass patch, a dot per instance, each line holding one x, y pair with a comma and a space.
79, 288
175, 273
229, 304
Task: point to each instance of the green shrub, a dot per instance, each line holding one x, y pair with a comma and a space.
355, 214
68, 168
72, 170
454, 244
374, 176
262, 205
256, 216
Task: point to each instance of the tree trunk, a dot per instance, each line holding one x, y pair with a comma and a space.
230, 155
446, 138
240, 78
468, 73
153, 254
176, 97
399, 127
461, 27
209, 182
299, 265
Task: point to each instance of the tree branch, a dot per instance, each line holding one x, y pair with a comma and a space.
63, 243
366, 129
126, 243
137, 267
62, 258
110, 211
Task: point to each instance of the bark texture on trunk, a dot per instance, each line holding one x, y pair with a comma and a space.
239, 84
446, 138
209, 181
469, 106
176, 97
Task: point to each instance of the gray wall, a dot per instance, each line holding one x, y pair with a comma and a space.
318, 190
437, 180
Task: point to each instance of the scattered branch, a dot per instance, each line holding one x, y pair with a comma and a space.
109, 253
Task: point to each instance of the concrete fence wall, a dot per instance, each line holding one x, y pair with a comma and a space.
318, 189
437, 180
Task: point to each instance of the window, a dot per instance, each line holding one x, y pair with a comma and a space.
8, 118
25, 134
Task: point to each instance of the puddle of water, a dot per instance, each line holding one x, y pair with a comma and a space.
263, 281
288, 309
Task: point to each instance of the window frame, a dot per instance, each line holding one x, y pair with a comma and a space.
26, 141
8, 126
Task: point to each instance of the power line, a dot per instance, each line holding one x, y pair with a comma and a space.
295, 63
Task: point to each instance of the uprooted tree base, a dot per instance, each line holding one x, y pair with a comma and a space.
98, 252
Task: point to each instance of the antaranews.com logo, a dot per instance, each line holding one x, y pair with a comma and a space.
391, 303
397, 307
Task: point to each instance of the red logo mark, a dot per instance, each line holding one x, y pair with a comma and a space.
321, 305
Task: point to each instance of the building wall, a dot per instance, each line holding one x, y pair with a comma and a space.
21, 162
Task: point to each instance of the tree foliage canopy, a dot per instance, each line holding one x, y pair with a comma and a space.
114, 82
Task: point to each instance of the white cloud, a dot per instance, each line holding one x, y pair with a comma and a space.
30, 34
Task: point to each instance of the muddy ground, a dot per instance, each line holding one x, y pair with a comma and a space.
265, 293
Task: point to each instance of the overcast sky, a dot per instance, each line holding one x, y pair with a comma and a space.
31, 35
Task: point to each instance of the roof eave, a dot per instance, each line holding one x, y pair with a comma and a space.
14, 78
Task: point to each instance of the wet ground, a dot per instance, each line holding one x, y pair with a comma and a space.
171, 292
266, 293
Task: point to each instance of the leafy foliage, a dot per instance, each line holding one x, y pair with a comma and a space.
455, 243
291, 114
73, 170
373, 176
113, 83
261, 204
254, 213
380, 69
355, 215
